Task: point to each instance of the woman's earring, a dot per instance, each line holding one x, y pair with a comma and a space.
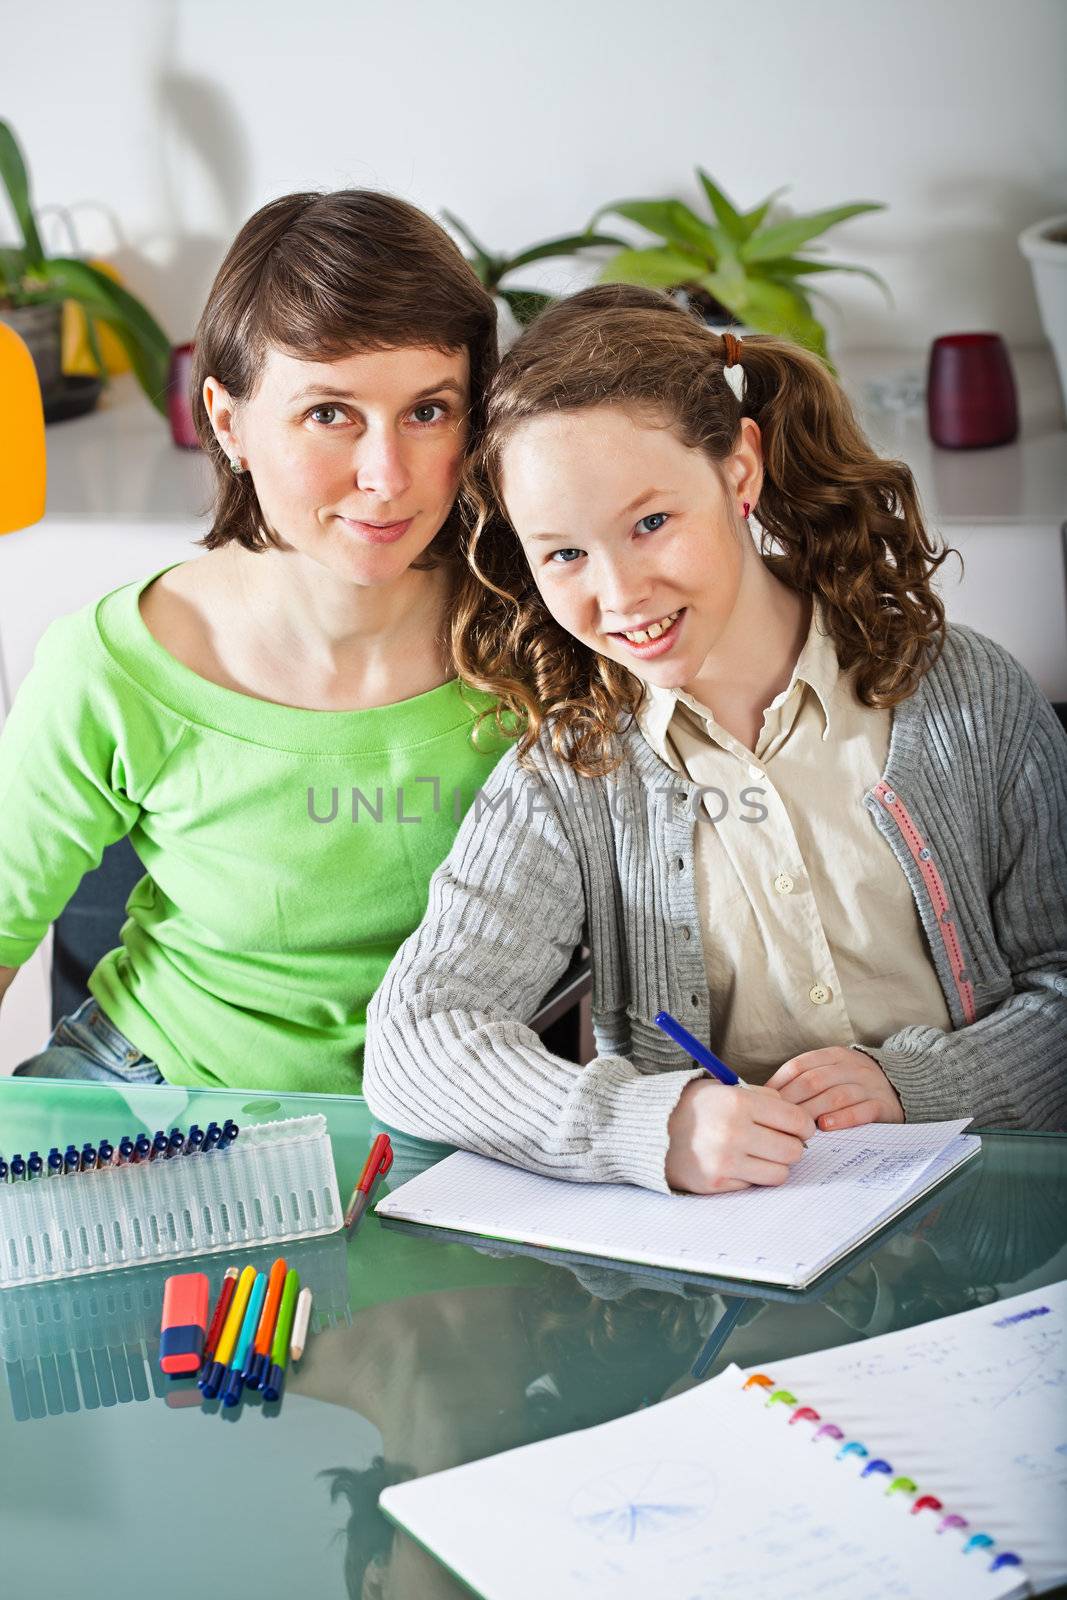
745, 508
236, 467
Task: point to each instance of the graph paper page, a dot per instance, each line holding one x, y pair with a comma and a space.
843, 1186
706, 1495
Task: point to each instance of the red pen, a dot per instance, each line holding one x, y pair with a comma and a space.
378, 1163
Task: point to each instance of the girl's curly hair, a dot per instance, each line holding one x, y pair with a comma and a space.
838, 522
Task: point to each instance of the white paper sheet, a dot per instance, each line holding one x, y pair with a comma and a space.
844, 1186
973, 1407
709, 1495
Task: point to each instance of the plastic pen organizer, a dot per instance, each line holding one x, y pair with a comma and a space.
275, 1182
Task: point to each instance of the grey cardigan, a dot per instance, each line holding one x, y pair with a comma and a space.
973, 804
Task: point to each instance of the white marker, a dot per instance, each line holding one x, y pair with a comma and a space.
300, 1325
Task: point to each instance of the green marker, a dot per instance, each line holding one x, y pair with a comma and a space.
272, 1387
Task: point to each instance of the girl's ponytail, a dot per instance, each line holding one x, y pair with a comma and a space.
841, 523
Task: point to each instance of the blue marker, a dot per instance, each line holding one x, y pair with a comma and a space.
71, 1160
34, 1166
55, 1162
126, 1150
699, 1052
235, 1378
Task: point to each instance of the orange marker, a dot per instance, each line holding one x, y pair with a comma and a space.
257, 1369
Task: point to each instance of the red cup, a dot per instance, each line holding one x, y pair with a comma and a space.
179, 400
970, 392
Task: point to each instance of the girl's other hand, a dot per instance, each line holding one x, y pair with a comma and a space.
840, 1088
731, 1138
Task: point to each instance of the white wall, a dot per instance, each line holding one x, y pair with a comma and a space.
180, 117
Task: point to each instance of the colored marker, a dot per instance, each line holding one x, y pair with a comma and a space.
105, 1153
260, 1359
222, 1305
194, 1139
175, 1143
18, 1168
159, 1146
125, 1151
212, 1376
228, 1135
55, 1162
235, 1378
87, 1159
300, 1325
211, 1137
377, 1164
699, 1052
34, 1166
142, 1148
71, 1160
279, 1354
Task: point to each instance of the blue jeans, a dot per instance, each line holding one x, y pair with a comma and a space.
87, 1046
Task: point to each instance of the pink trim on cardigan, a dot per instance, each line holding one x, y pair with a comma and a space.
935, 888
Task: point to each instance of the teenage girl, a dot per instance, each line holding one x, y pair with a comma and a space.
765, 783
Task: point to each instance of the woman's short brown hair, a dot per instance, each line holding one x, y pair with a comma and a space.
320, 276
839, 523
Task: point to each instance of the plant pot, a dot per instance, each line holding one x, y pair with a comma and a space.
39, 328
1045, 247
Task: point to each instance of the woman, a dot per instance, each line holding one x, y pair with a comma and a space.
277, 725
785, 802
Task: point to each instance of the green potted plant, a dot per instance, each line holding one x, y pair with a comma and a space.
525, 304
738, 267
34, 286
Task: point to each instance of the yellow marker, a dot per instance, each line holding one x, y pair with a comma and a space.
212, 1376
22, 456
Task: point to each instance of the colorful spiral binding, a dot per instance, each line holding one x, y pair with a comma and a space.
899, 1483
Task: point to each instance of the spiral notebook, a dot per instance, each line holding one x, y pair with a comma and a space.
844, 1188
941, 1477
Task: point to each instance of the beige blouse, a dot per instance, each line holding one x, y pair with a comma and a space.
811, 935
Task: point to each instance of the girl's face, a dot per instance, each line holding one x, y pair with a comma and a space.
356, 461
635, 544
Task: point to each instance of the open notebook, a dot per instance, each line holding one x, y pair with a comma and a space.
844, 1187
941, 1477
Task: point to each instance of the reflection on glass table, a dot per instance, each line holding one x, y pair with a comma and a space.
425, 1353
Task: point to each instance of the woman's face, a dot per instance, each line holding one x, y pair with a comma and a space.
635, 545
355, 461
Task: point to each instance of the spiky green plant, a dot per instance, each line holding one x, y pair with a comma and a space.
750, 264
525, 304
29, 277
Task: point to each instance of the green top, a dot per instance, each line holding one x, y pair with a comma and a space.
287, 852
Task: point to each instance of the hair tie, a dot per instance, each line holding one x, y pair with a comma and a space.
732, 348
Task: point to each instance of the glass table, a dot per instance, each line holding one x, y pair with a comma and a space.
425, 1352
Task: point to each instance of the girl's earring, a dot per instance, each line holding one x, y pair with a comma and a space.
235, 466
745, 508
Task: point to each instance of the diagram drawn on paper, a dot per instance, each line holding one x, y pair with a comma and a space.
644, 1501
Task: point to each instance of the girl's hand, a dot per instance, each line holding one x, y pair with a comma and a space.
730, 1138
840, 1088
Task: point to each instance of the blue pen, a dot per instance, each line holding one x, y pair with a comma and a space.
699, 1052
194, 1139
235, 1378
87, 1159
126, 1150
229, 1133
34, 1166
142, 1148
55, 1162
71, 1160
211, 1137
159, 1146
18, 1168
3, 1170
175, 1143
105, 1153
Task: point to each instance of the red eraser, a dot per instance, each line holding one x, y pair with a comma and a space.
181, 1337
